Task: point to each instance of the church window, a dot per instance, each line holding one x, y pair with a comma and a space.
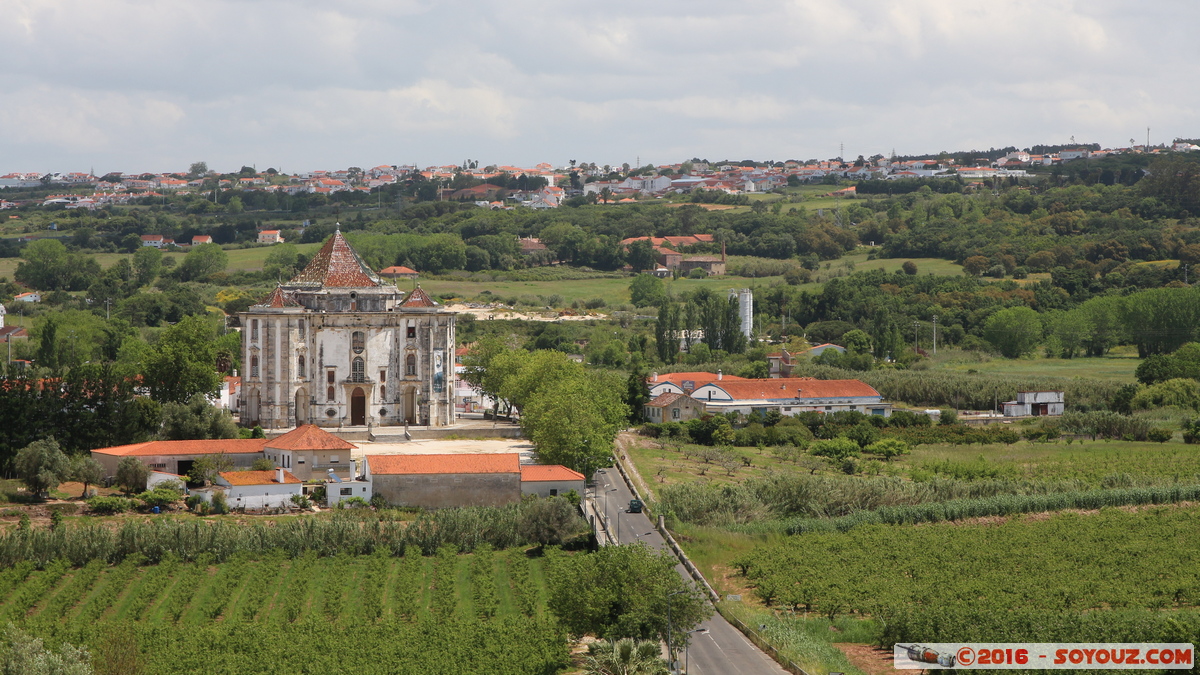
329, 394
300, 328
357, 370
253, 329
412, 333
410, 364
383, 376
254, 366
300, 366
383, 392
330, 376
357, 341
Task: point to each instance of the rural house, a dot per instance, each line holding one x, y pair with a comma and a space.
791, 396
310, 452
673, 407
258, 489
550, 480
1035, 404
177, 457
446, 481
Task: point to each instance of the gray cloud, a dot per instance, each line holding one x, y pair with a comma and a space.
154, 85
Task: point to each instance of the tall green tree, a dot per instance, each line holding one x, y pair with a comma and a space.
574, 419
1014, 332
41, 465
196, 420
647, 290
183, 363
202, 262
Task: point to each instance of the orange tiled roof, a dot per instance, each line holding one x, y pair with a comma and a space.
167, 448
257, 477
697, 377
336, 265
509, 462
548, 472
795, 387
396, 269
309, 437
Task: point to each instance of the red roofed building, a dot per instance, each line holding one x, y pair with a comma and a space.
338, 346
672, 407
446, 481
178, 456
310, 453
683, 383
791, 396
257, 489
398, 272
550, 480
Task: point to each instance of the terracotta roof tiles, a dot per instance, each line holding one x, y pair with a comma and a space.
257, 477
509, 462
337, 265
279, 299
418, 298
548, 472
168, 448
309, 437
795, 387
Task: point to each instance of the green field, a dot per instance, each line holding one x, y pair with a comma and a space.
1118, 365
355, 613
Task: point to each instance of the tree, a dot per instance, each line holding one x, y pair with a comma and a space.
183, 363
85, 469
625, 657
196, 420
640, 255
552, 521
41, 465
132, 475
909, 267
206, 468
202, 262
27, 655
622, 592
976, 265
836, 449
888, 448
1014, 332
198, 169
573, 420
147, 263
646, 290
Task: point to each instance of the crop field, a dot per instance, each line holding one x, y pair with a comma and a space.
354, 613
1119, 365
1122, 567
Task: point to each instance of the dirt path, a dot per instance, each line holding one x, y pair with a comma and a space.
868, 659
626, 440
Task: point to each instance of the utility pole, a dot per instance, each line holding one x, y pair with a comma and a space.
915, 325
935, 334
107, 302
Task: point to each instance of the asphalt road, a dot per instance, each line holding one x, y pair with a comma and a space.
717, 648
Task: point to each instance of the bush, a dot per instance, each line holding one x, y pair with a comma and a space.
379, 501
888, 448
160, 497
302, 501
193, 501
836, 449
220, 505
352, 503
1191, 431
107, 506
1160, 435
948, 416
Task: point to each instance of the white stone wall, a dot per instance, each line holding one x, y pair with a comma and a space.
262, 496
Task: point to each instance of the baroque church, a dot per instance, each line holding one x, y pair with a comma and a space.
337, 346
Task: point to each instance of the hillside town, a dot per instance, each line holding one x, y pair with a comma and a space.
608, 183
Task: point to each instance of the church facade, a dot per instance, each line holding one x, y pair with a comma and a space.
336, 346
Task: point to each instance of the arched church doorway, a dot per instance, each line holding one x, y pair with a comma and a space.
301, 407
358, 408
410, 405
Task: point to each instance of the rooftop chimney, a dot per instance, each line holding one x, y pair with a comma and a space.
279, 474
719, 374
353, 469
654, 376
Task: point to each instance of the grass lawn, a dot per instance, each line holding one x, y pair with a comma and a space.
1119, 365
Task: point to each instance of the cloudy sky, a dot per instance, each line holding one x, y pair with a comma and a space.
153, 85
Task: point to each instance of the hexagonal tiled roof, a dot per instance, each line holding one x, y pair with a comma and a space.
336, 265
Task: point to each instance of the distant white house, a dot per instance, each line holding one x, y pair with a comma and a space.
32, 296
269, 237
1035, 404
259, 489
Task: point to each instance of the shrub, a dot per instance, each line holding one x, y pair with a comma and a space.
949, 416
379, 501
1191, 431
352, 503
220, 504
194, 501
836, 449
888, 448
1160, 435
107, 506
159, 496
302, 501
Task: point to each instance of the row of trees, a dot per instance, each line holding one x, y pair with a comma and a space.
571, 413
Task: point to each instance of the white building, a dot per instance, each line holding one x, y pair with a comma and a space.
791, 396
259, 489
1035, 404
337, 346
745, 298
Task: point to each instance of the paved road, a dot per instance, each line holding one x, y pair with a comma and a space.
718, 648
